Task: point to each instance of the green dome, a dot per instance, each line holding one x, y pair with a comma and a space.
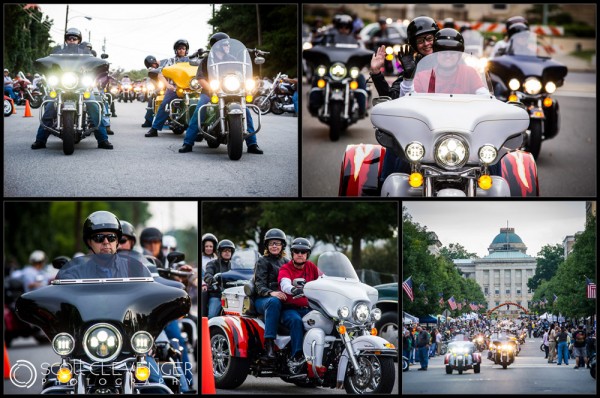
504, 237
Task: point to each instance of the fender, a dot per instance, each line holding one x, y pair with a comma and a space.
361, 169
520, 171
364, 344
243, 333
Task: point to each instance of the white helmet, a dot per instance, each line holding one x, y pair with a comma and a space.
169, 241
36, 75
37, 256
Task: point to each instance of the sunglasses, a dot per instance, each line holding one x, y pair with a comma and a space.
296, 251
123, 240
99, 238
72, 38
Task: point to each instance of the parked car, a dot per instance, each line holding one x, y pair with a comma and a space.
387, 326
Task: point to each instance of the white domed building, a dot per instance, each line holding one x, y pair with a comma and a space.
503, 273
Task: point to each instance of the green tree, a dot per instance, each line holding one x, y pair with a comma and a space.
548, 260
456, 251
278, 33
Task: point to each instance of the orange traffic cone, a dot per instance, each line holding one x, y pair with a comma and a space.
27, 109
14, 108
208, 378
6, 364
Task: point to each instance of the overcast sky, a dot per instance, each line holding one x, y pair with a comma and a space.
133, 31
475, 224
172, 215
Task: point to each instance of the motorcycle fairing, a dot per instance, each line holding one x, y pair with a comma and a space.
244, 334
328, 293
181, 73
424, 118
327, 55
521, 66
79, 63
520, 171
361, 168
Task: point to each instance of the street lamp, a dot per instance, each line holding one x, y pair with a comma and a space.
67, 18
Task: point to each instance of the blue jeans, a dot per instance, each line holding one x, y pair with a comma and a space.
271, 308
162, 115
432, 349
563, 352
424, 354
214, 307
174, 332
292, 319
411, 355
295, 101
149, 112
50, 114
192, 130
11, 93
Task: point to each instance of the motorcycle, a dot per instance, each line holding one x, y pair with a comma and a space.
126, 92
23, 88
405, 364
392, 45
263, 93
103, 343
188, 90
71, 82
9, 106
337, 67
231, 82
593, 365
480, 342
282, 101
339, 347
462, 356
526, 73
450, 137
502, 352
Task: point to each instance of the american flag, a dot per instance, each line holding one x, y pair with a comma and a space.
459, 305
591, 288
407, 286
441, 301
452, 303
473, 307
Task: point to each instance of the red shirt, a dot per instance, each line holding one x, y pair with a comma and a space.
309, 272
465, 80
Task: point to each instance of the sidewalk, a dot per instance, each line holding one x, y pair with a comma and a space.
575, 64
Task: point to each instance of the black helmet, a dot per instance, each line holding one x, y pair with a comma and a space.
448, 39
129, 231
226, 244
301, 243
216, 37
382, 21
515, 19
420, 26
343, 21
449, 23
275, 233
149, 61
151, 234
466, 26
516, 27
181, 42
101, 221
73, 32
210, 237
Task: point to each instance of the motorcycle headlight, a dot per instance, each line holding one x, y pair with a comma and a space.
550, 87
307, 45
69, 80
250, 85
114, 90
63, 344
102, 342
321, 70
451, 152
214, 85
354, 72
389, 50
343, 312
141, 342
487, 154
532, 85
415, 151
514, 84
231, 83
361, 312
87, 81
376, 314
338, 71
396, 48
53, 81
194, 84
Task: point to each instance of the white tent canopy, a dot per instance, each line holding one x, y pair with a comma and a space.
408, 318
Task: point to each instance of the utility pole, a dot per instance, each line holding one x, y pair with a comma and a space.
66, 19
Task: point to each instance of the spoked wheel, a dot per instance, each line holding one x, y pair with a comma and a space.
377, 376
8, 107
263, 103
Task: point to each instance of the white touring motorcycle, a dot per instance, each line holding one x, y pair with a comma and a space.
340, 345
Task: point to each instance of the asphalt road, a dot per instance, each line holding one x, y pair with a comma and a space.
142, 167
566, 167
529, 374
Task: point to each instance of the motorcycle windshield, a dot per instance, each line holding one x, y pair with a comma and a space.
527, 43
229, 64
473, 42
335, 264
451, 72
350, 55
244, 259
130, 302
79, 63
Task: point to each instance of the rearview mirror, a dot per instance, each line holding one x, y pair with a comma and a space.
259, 60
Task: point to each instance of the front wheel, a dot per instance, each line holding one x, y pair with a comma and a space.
236, 138
8, 107
36, 101
378, 376
336, 124
444, 349
263, 103
230, 372
277, 106
477, 368
68, 132
534, 146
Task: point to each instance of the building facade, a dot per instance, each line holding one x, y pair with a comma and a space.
503, 273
